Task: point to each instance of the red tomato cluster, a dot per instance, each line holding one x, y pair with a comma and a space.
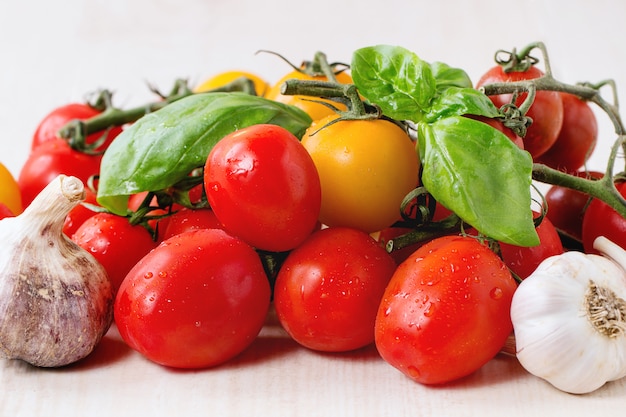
193, 291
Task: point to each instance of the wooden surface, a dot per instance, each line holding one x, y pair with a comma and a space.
56, 52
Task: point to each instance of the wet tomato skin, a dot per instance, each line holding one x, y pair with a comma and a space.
445, 312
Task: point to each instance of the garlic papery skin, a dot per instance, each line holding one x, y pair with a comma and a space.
56, 301
569, 320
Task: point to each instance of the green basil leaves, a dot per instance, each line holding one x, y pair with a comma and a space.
470, 167
163, 147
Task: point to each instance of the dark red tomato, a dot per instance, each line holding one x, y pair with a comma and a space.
328, 289
80, 213
195, 301
50, 159
445, 312
59, 117
566, 207
263, 186
160, 216
524, 260
115, 243
602, 220
577, 138
187, 219
5, 212
546, 110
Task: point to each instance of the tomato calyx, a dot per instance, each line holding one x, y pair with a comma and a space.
317, 67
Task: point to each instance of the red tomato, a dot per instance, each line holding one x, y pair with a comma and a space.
190, 219
445, 312
50, 159
263, 186
195, 301
115, 243
5, 211
328, 289
80, 213
546, 110
602, 220
577, 138
524, 260
59, 117
566, 207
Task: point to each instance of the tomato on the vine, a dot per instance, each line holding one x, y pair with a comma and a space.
577, 138
524, 260
187, 219
10, 194
50, 125
263, 187
546, 110
601, 220
445, 312
223, 78
50, 159
328, 289
566, 206
366, 168
116, 243
313, 106
195, 301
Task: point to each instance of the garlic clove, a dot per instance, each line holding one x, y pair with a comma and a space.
56, 300
560, 335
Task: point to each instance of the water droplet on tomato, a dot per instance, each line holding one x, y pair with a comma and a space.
387, 311
162, 274
413, 372
496, 293
198, 323
429, 311
148, 275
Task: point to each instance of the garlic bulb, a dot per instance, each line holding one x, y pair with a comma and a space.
569, 319
56, 300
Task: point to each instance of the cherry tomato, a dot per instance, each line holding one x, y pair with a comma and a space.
263, 187
59, 117
115, 243
50, 159
195, 301
190, 219
10, 194
602, 220
566, 207
220, 80
524, 260
577, 138
5, 211
445, 312
328, 289
366, 168
77, 216
317, 111
546, 110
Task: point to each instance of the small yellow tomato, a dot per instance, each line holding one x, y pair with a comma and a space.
9, 191
366, 168
219, 80
317, 111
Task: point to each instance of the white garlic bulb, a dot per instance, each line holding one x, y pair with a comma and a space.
56, 300
569, 319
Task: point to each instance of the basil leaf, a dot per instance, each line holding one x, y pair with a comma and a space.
395, 79
477, 172
455, 101
446, 76
163, 147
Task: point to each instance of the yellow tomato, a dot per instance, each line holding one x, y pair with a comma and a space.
366, 168
223, 78
317, 111
9, 191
